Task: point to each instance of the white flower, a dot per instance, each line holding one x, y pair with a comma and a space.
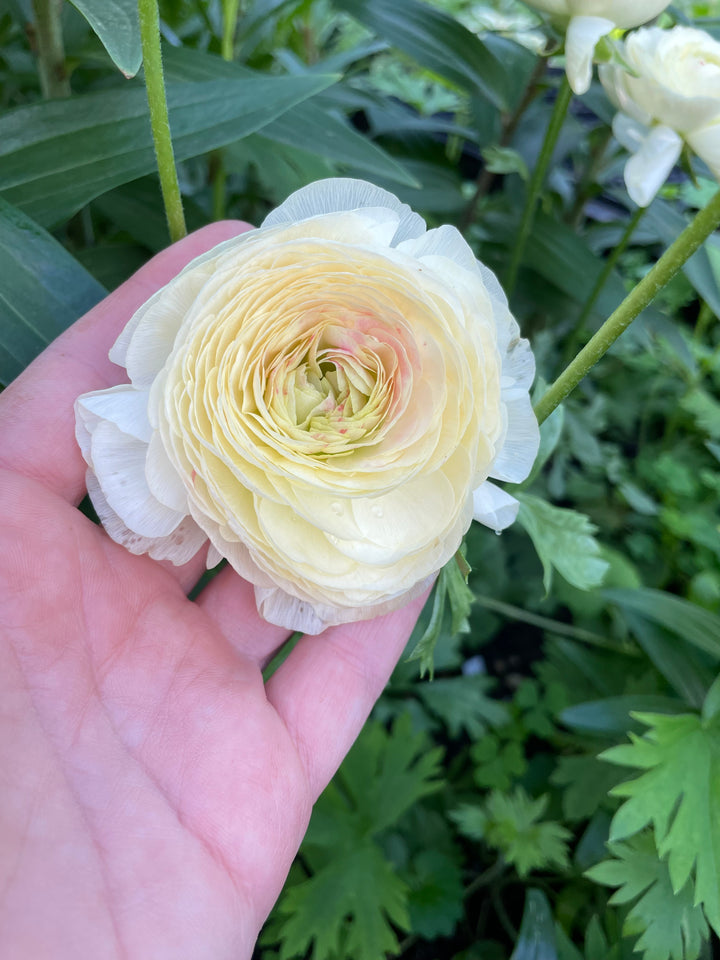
674, 97
323, 399
587, 21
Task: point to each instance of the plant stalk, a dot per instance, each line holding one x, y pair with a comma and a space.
562, 102
696, 233
159, 120
230, 14
610, 262
54, 81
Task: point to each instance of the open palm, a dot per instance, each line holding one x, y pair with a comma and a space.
154, 791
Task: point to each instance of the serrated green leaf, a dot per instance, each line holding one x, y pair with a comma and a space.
471, 820
44, 290
564, 541
536, 940
57, 155
514, 828
354, 901
587, 782
679, 794
117, 25
384, 774
425, 646
687, 620
462, 704
436, 894
671, 927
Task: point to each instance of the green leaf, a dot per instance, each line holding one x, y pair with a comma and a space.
536, 940
612, 715
564, 540
587, 782
383, 776
117, 25
681, 666
451, 588
57, 155
504, 160
461, 703
436, 894
679, 794
692, 623
703, 268
44, 290
513, 826
349, 907
424, 649
310, 127
671, 926
438, 42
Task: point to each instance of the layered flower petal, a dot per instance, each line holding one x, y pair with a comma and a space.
671, 96
323, 399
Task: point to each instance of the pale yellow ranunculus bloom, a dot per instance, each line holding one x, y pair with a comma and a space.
672, 96
587, 21
324, 399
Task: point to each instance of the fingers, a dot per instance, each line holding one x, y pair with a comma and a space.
37, 421
230, 602
327, 686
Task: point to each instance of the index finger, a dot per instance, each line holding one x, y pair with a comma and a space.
37, 419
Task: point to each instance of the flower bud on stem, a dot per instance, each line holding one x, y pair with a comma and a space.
695, 234
159, 121
562, 103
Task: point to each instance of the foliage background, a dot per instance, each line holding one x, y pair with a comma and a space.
554, 792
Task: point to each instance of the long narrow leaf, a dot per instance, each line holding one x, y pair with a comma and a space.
57, 156
44, 290
690, 622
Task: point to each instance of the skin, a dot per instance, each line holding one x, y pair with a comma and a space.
153, 791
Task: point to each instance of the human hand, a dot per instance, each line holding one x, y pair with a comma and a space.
154, 790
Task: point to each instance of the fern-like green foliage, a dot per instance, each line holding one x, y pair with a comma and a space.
670, 926
679, 796
511, 823
353, 901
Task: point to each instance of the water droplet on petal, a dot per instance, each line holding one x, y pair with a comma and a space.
376, 511
336, 508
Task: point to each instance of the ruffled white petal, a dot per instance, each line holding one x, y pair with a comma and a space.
122, 405
706, 144
581, 39
340, 194
522, 440
278, 607
162, 478
494, 507
178, 547
628, 132
445, 241
118, 461
649, 168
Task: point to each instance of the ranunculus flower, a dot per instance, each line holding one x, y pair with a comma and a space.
587, 21
323, 399
674, 97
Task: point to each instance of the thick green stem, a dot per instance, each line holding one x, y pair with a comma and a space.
159, 121
696, 233
230, 15
610, 262
557, 119
50, 50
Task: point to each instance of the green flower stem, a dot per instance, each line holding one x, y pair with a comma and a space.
562, 103
696, 233
230, 15
50, 50
617, 252
159, 121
